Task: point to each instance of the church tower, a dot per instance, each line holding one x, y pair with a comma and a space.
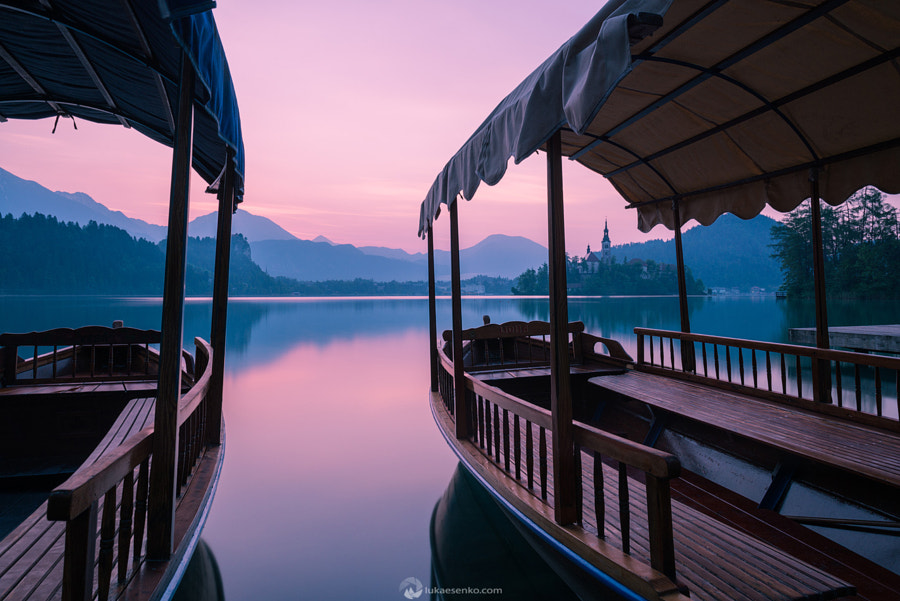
606, 250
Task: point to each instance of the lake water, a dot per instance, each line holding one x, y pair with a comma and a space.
333, 463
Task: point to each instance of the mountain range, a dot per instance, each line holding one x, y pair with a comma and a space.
726, 254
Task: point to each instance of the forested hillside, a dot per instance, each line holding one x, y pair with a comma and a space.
729, 253
861, 240
46, 256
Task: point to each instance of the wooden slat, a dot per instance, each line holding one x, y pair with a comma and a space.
857, 448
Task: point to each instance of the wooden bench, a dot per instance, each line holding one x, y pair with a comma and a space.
84, 354
856, 448
517, 349
31, 556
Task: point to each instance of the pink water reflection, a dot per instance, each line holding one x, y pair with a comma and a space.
333, 465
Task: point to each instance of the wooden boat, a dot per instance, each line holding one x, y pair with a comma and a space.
692, 466
135, 432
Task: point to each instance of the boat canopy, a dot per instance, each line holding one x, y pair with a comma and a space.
117, 61
722, 106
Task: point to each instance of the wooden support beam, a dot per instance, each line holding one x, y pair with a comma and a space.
822, 372
220, 304
687, 350
163, 487
564, 474
459, 376
432, 313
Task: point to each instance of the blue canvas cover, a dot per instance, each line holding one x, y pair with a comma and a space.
117, 62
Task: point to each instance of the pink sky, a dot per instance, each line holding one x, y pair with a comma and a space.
349, 111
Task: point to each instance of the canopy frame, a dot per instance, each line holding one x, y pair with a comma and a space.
137, 53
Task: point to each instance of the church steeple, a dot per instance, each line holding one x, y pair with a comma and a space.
606, 249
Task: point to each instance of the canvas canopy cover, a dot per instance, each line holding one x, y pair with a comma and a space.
117, 61
722, 105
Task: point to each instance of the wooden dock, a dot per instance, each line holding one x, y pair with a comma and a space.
865, 339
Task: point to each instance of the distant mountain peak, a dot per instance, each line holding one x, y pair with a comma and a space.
253, 227
321, 238
18, 196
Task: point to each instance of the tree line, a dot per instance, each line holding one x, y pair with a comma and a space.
42, 255
861, 244
635, 277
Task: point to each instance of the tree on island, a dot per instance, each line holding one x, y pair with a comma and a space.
635, 277
861, 244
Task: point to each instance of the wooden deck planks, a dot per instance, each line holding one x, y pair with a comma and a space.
716, 561
591, 369
857, 448
873, 582
31, 555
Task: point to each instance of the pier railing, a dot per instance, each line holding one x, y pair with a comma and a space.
116, 489
514, 435
78, 355
856, 382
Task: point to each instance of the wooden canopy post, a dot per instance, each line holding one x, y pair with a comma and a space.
688, 362
163, 487
459, 376
220, 304
822, 372
564, 476
432, 313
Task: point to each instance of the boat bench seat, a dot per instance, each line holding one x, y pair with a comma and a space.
99, 388
31, 565
857, 448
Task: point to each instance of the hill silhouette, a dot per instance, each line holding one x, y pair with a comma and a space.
730, 253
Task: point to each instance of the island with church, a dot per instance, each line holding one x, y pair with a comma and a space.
601, 274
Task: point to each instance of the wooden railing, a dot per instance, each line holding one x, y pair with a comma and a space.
78, 355
856, 381
514, 436
658, 468
112, 478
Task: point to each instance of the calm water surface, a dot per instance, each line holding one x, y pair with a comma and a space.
333, 463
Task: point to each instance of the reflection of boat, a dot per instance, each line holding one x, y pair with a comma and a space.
715, 467
135, 433
474, 546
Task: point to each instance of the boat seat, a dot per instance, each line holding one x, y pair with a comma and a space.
827, 440
31, 565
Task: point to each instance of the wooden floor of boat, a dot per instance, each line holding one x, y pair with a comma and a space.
589, 369
872, 581
714, 559
31, 556
137, 386
857, 448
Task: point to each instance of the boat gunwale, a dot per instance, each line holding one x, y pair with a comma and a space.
636, 580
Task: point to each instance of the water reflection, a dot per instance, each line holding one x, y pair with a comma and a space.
333, 462
475, 545
202, 580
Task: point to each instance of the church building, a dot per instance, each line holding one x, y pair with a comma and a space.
593, 260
